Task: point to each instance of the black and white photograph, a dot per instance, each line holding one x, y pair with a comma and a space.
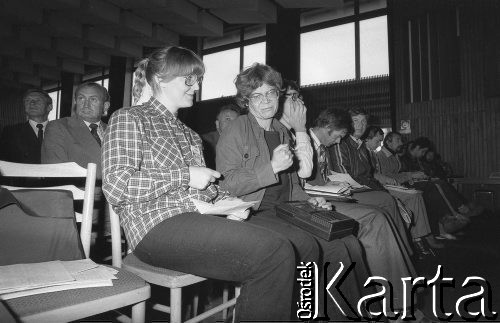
227, 161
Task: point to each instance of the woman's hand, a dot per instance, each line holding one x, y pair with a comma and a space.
294, 113
282, 158
201, 177
320, 202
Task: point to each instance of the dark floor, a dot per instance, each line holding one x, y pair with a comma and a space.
476, 253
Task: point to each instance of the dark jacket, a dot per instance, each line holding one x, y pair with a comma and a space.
243, 159
19, 144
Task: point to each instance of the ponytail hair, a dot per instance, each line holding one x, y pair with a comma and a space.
140, 88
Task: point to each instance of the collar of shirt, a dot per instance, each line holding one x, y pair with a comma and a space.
34, 123
97, 123
386, 152
357, 141
158, 107
315, 139
99, 128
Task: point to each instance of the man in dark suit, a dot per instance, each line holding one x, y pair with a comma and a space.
21, 143
78, 138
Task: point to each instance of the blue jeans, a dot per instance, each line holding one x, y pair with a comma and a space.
214, 247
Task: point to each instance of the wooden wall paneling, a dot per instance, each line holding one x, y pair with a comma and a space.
465, 127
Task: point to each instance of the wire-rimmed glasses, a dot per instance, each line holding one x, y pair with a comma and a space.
270, 95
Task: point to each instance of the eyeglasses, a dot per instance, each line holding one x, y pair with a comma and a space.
294, 96
193, 78
270, 95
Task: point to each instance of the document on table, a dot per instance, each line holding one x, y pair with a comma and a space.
225, 207
327, 189
346, 178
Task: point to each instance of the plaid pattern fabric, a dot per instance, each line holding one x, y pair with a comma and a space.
146, 155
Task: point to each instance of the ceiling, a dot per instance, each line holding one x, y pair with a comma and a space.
42, 38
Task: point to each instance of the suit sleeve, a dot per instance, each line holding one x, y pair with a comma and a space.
53, 146
5, 145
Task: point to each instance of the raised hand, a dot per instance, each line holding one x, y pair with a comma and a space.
201, 177
294, 114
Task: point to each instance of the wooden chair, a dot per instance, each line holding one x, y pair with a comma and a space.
76, 304
171, 279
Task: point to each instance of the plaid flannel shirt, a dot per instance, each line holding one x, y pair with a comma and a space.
146, 156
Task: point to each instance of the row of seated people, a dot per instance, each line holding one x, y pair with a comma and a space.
153, 166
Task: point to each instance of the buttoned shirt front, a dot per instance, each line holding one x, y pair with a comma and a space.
146, 156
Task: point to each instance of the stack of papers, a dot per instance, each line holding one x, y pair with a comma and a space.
344, 178
30, 279
224, 207
329, 189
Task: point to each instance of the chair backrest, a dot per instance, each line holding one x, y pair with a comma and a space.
116, 241
61, 170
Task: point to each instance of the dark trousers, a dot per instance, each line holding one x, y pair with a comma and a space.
346, 250
214, 247
434, 202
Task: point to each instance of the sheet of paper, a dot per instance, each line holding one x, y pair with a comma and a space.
330, 188
346, 178
50, 289
401, 189
224, 207
25, 276
32, 279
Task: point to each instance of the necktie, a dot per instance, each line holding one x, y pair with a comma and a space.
40, 133
323, 163
93, 132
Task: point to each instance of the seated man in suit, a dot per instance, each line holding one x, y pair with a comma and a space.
21, 142
78, 138
227, 113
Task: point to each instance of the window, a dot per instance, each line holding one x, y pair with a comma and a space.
226, 56
327, 55
255, 53
220, 70
349, 42
56, 104
374, 47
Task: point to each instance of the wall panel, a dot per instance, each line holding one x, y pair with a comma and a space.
465, 128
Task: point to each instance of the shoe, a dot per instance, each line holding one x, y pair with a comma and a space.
446, 236
421, 249
431, 241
